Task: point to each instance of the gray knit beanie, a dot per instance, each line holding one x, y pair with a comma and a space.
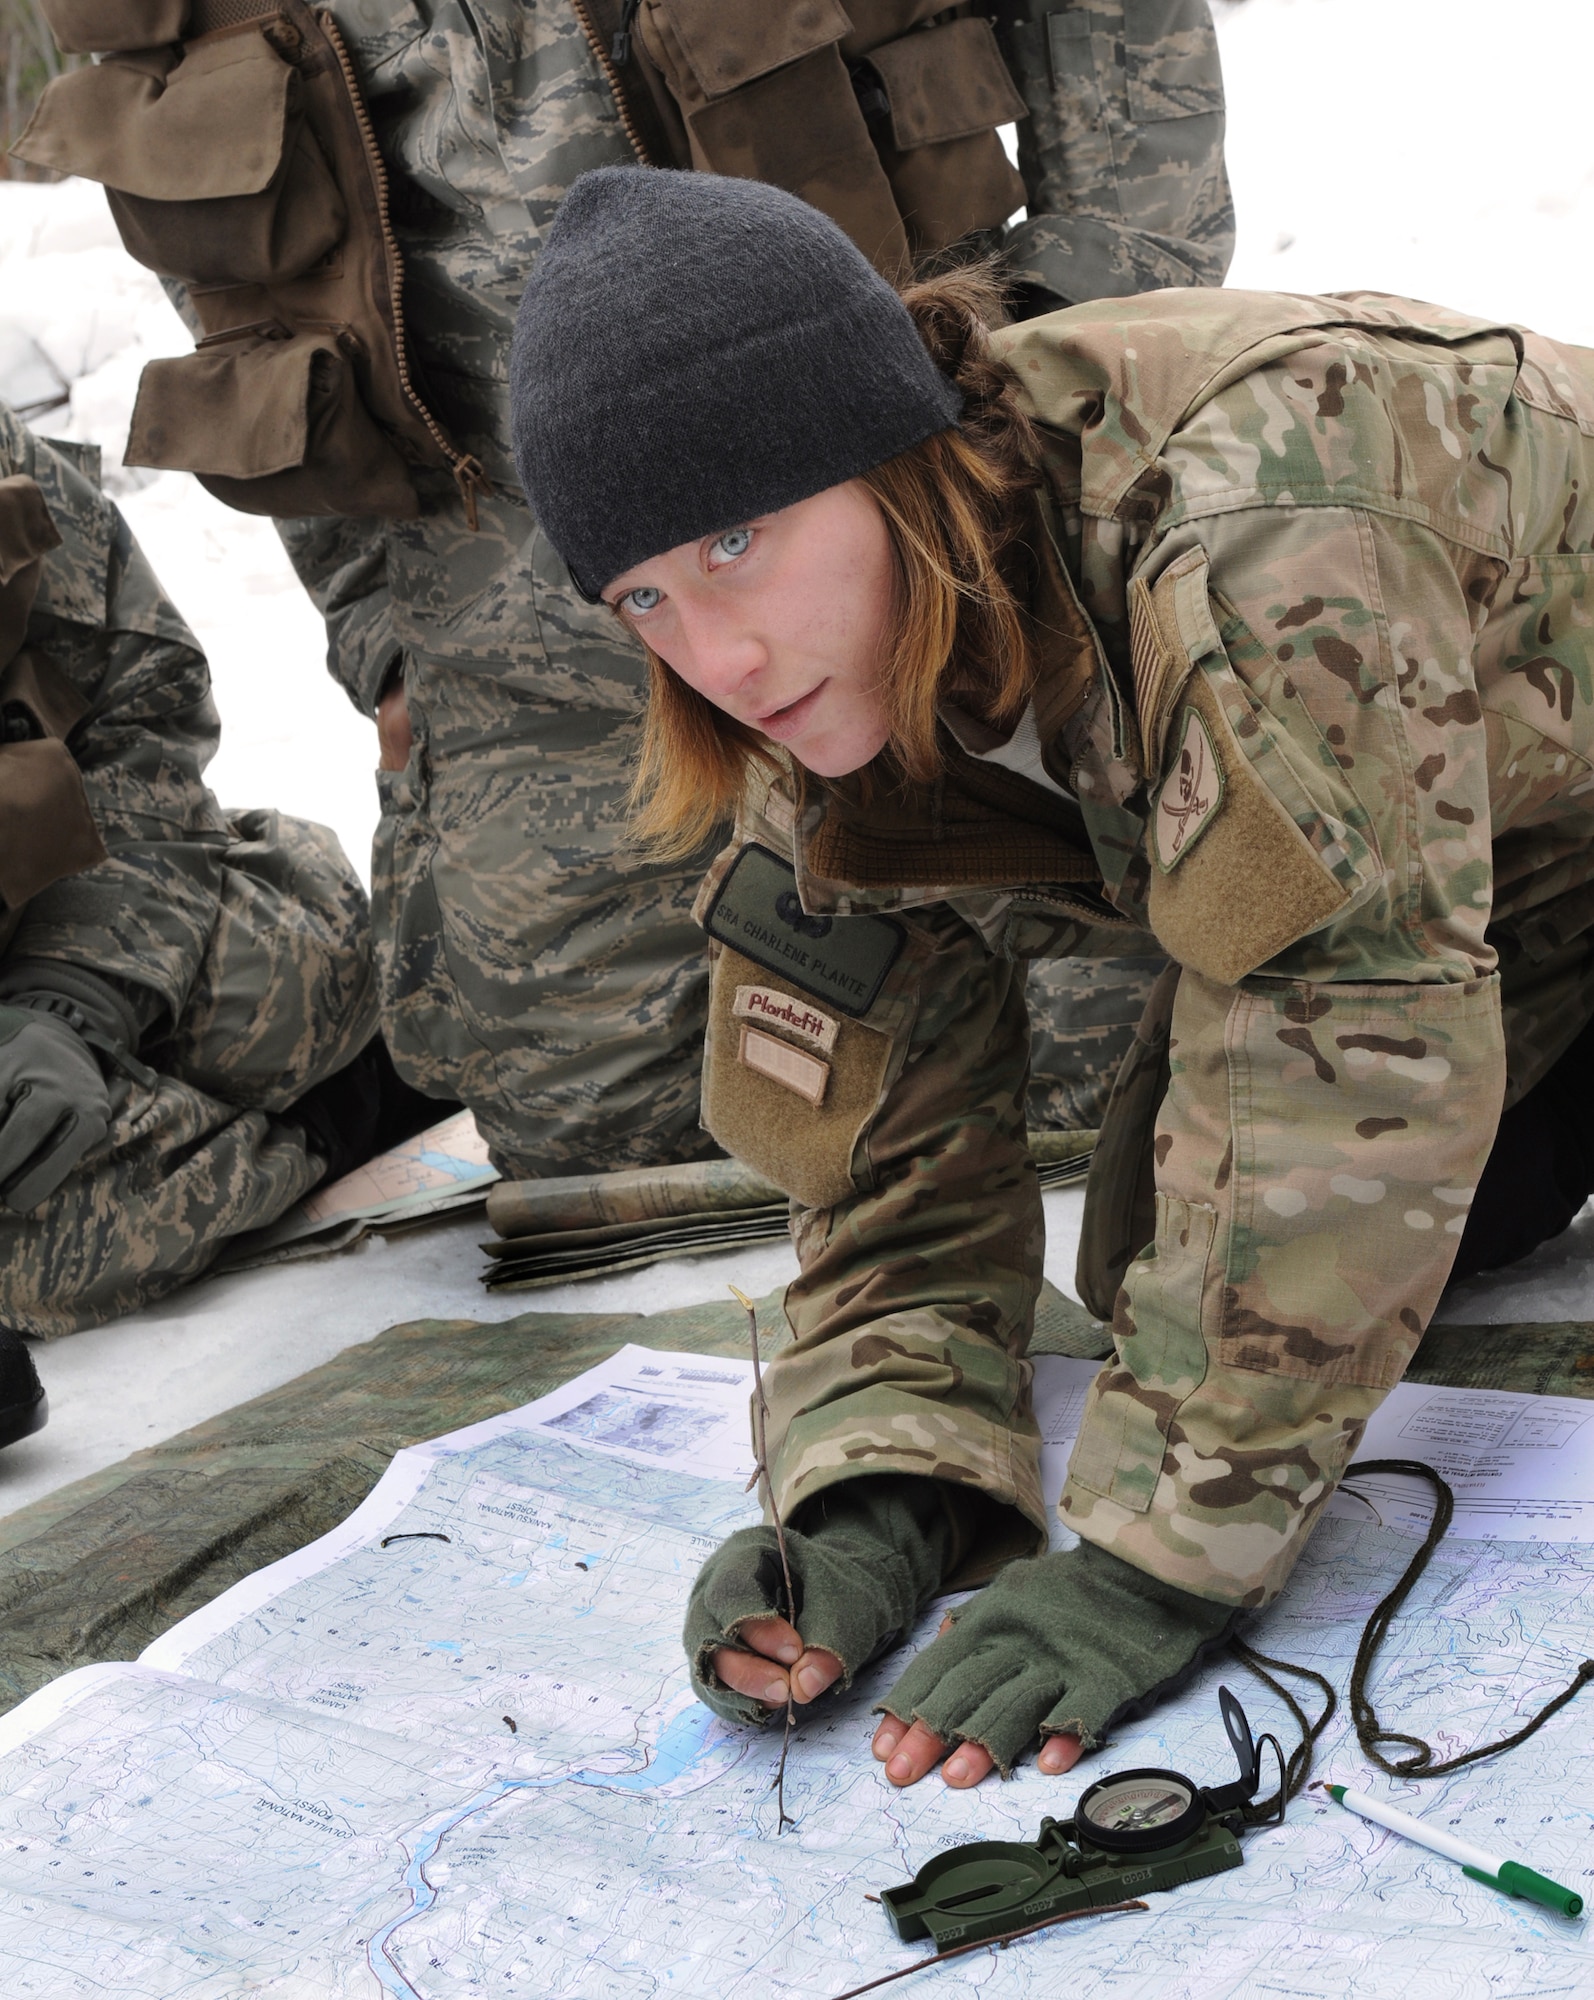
692, 351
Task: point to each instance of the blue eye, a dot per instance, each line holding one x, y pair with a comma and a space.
640, 600
733, 543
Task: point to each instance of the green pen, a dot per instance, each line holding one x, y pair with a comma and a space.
1510, 1876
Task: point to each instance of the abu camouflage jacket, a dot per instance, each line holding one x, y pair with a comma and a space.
1327, 731
47, 830
107, 679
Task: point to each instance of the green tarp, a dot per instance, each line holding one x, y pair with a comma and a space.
97, 1570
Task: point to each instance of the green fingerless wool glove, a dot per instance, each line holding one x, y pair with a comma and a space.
868, 1557
1062, 1644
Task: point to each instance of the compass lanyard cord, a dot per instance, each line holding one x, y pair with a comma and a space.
1369, 1731
1299, 1767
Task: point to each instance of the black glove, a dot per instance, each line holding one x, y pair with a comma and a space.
1059, 1645
870, 1554
58, 1024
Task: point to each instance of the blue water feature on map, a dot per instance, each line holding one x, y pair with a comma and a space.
688, 1741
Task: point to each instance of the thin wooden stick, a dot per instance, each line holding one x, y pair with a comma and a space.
979, 1944
761, 1472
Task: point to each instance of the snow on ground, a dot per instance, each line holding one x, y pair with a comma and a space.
1393, 144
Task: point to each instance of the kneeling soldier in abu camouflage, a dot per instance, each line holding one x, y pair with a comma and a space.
1259, 623
187, 1004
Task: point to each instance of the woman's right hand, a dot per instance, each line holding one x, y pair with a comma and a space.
777, 1659
865, 1558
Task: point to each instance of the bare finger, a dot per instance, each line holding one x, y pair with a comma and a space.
886, 1738
750, 1674
813, 1673
919, 1751
1059, 1754
772, 1637
968, 1763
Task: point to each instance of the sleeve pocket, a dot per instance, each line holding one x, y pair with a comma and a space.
1254, 837
789, 1099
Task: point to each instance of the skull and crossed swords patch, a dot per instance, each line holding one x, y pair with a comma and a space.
1191, 793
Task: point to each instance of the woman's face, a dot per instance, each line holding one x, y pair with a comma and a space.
781, 622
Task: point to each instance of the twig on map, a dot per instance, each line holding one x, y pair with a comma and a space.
979, 1944
761, 1473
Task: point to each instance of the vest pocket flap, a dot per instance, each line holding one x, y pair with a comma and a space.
101, 27
275, 427
946, 83
729, 42
215, 125
49, 704
46, 828
246, 239
239, 411
26, 529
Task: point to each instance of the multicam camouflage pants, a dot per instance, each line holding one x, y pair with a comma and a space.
532, 966
284, 998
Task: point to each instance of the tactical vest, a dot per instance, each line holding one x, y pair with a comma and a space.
46, 828
883, 115
238, 158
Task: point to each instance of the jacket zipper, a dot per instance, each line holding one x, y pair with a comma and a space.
468, 474
607, 59
620, 48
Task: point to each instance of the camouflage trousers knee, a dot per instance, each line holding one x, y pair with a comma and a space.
1082, 1013
284, 997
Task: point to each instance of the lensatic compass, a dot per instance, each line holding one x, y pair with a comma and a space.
1131, 1833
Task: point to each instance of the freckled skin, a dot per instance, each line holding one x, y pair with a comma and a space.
800, 615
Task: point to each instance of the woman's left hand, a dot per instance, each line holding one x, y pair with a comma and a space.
1051, 1654
910, 1751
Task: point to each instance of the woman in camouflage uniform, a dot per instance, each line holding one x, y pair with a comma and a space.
1261, 624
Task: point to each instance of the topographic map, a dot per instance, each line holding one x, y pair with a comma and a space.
451, 1750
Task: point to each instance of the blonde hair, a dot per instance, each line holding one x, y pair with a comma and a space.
953, 514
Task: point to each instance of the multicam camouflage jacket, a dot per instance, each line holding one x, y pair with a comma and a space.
1315, 609
485, 115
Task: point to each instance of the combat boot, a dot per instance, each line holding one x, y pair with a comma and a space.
24, 1407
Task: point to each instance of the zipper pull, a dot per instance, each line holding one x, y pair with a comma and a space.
620, 49
470, 479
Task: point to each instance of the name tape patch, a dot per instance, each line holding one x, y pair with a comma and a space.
795, 1068
840, 960
797, 1017
1191, 793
